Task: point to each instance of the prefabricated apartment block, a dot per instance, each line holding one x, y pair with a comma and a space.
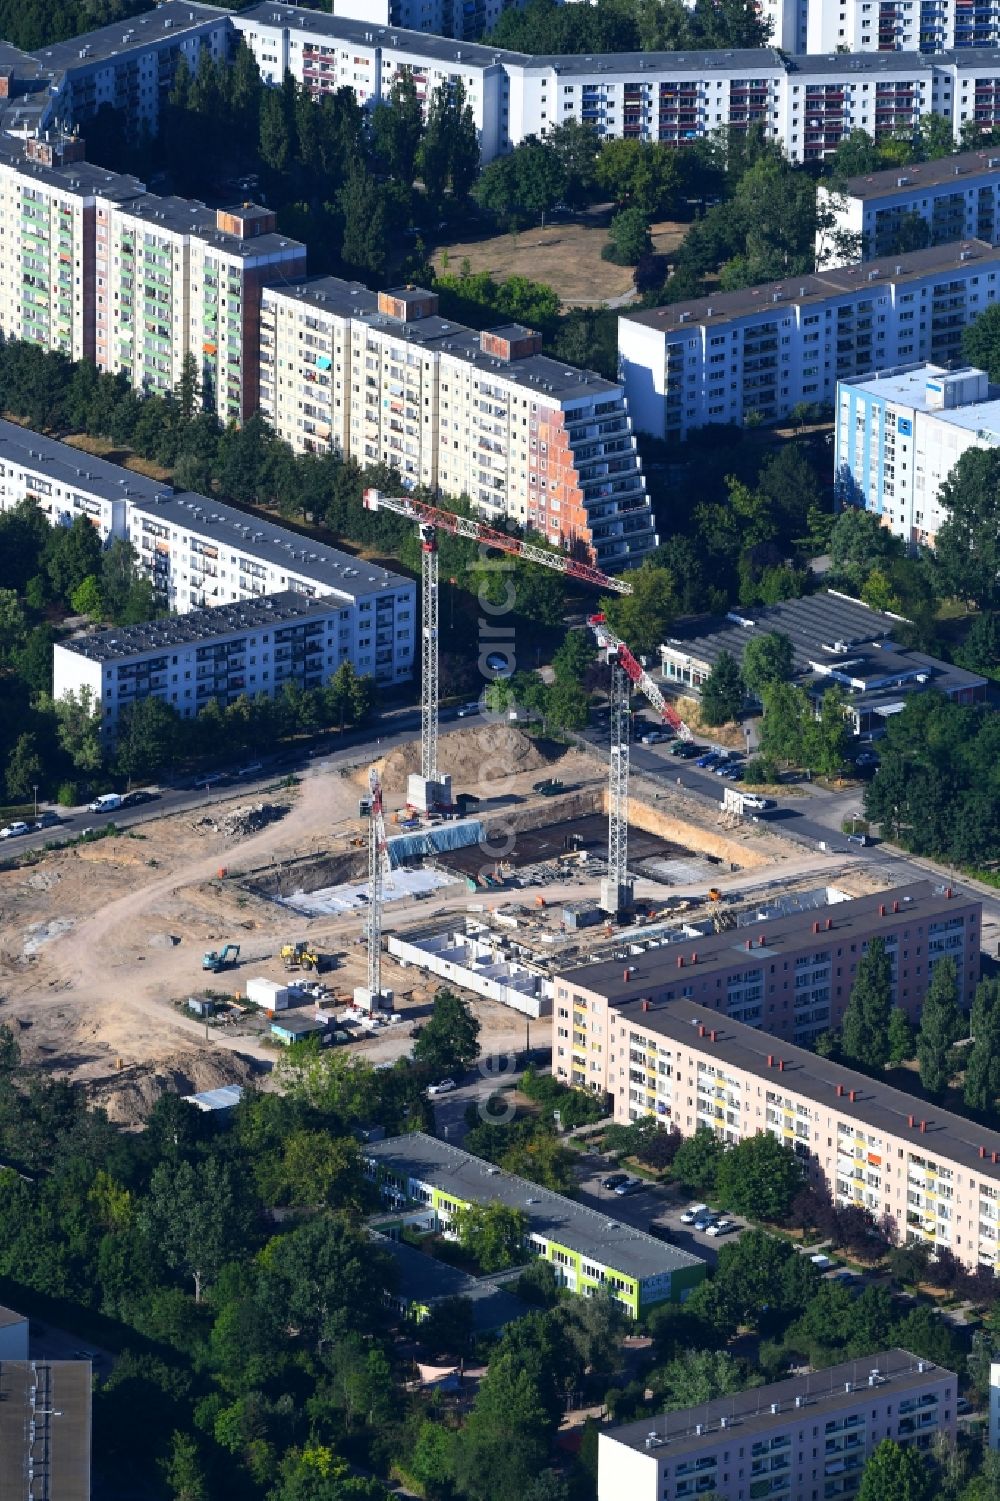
251, 648
384, 379
764, 350
851, 26
809, 103
900, 434
933, 1175
805, 1439
957, 197
791, 975
96, 267
420, 1175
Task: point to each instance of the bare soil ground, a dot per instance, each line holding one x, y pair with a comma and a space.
565, 254
101, 944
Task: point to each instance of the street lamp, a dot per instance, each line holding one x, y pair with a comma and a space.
35, 791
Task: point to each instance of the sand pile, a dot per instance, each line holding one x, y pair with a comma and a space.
488, 753
129, 1094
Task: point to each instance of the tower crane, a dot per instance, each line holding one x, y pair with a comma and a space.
379, 876
626, 671
430, 789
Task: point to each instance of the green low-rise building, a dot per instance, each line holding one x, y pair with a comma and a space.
589, 1249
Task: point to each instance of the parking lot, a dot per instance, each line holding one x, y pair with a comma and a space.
655, 1209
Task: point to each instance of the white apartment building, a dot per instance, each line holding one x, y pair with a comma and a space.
199, 552
131, 64
899, 436
64, 482
957, 197
882, 25
385, 379
809, 103
765, 349
805, 1439
221, 653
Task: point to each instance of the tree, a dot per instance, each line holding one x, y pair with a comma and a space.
328, 1279
940, 1027
896, 1472
492, 1234
362, 204
900, 1036
967, 545
980, 652
865, 1035
183, 1471
644, 617
78, 727
698, 1376
759, 1177
982, 1061
147, 736
785, 711
449, 1039
825, 737
504, 1443
13, 626
858, 544
275, 135
698, 1160
398, 126
722, 691
981, 341
630, 238
766, 659
193, 1219
575, 657
24, 768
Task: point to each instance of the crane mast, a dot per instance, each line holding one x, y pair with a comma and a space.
379, 875
626, 671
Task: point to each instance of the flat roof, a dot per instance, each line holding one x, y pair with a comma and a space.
192, 217
425, 1279
907, 386
336, 572
772, 299
9, 1316
63, 1385
168, 22
426, 44
901, 181
328, 294
446, 337
223, 1098
875, 1104
207, 624
833, 637
551, 1215
784, 936
814, 624
837, 1388
81, 179
72, 468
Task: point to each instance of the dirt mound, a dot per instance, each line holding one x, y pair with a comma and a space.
129, 1095
488, 753
239, 823
730, 734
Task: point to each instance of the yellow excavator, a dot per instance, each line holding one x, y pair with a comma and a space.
300, 956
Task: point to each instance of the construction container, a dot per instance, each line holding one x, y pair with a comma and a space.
267, 994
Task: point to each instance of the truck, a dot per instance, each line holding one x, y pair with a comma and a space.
106, 803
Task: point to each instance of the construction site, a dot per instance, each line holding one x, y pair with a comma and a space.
488, 858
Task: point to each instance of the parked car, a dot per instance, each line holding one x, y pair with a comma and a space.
861, 839
613, 1180
707, 760
721, 1227
48, 820
134, 799
704, 1222
466, 709
866, 758
692, 1213
754, 800
443, 1086
631, 1186
14, 829
825, 1263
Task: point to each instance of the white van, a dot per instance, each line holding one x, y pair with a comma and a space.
106, 803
